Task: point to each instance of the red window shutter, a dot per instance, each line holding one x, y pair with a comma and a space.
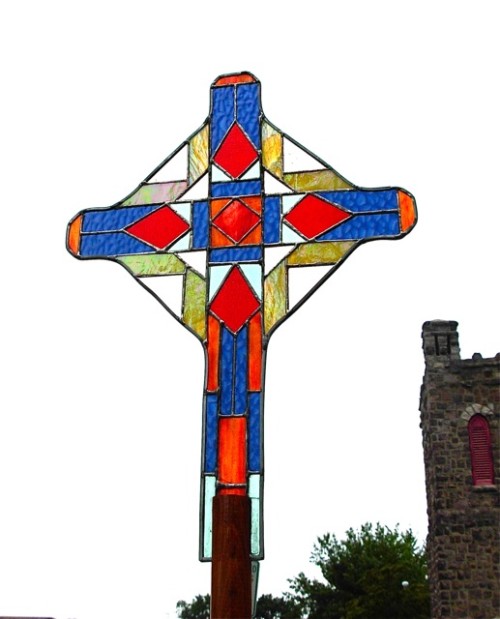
480, 451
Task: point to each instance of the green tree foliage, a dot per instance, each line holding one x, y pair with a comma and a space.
375, 573
270, 607
199, 608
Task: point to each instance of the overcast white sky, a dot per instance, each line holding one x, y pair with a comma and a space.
100, 418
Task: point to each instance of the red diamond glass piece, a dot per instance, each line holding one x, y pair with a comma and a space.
236, 220
235, 301
312, 216
161, 228
236, 153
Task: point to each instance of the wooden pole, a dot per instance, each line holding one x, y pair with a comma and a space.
231, 568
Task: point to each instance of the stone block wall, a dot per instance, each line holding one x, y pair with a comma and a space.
464, 519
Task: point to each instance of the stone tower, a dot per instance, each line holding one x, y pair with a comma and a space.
460, 415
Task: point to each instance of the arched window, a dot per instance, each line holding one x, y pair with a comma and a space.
480, 451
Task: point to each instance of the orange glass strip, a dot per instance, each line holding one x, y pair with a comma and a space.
255, 353
241, 78
217, 239
407, 210
74, 235
254, 237
232, 453
216, 206
213, 348
254, 202
240, 491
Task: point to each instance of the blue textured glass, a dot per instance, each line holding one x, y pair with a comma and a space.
241, 372
235, 189
234, 254
254, 463
363, 201
226, 372
272, 219
112, 244
210, 433
248, 110
200, 225
116, 219
222, 115
364, 227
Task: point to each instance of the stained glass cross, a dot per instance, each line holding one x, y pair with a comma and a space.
220, 233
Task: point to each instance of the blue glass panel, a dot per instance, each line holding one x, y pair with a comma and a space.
241, 372
254, 461
248, 110
227, 371
112, 244
363, 201
272, 219
200, 225
254, 482
236, 254
364, 227
235, 189
210, 433
222, 115
113, 220
253, 273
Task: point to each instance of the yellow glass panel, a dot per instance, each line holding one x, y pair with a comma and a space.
272, 149
319, 180
274, 296
319, 253
198, 154
156, 264
195, 298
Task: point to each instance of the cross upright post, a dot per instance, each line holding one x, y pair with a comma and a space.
231, 565
221, 233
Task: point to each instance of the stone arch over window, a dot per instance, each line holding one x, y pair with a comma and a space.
473, 409
480, 451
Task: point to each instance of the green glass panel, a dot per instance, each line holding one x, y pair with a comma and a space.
195, 298
255, 526
319, 253
155, 264
207, 519
274, 296
254, 492
156, 193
